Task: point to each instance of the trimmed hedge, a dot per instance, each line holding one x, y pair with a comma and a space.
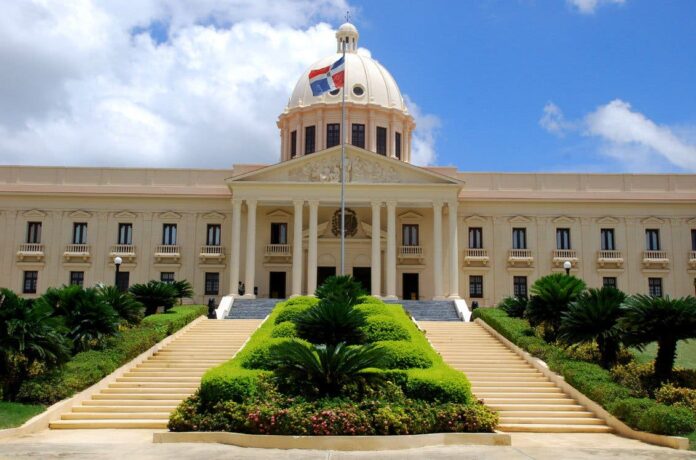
592, 380
401, 354
284, 329
291, 312
382, 327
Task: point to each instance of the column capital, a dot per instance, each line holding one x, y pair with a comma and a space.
313, 203
391, 203
236, 201
297, 202
251, 201
376, 204
438, 203
452, 203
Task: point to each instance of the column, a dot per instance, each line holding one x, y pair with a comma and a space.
376, 269
297, 250
437, 251
391, 250
454, 251
250, 250
312, 248
234, 246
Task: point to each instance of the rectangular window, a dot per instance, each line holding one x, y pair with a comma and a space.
519, 238
309, 134
167, 277
125, 233
562, 238
333, 134
213, 235
358, 135
293, 144
693, 239
519, 286
212, 283
169, 234
31, 279
652, 239
609, 281
279, 233
381, 140
475, 238
79, 233
77, 278
607, 236
34, 232
410, 234
397, 145
475, 286
655, 287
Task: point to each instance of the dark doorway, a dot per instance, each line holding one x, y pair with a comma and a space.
123, 281
363, 274
323, 273
410, 286
276, 288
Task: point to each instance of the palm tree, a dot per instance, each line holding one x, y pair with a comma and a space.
663, 320
183, 289
514, 306
129, 309
595, 317
341, 289
551, 297
331, 321
154, 294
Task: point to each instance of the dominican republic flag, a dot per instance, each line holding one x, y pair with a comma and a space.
327, 78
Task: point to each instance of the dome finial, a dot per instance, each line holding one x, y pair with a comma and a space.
347, 34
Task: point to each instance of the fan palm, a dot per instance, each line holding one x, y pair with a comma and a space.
154, 294
595, 317
342, 289
183, 289
514, 306
331, 321
551, 297
663, 320
129, 309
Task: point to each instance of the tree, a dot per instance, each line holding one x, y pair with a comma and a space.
514, 306
29, 336
341, 289
154, 294
331, 321
551, 297
129, 309
594, 316
663, 320
183, 289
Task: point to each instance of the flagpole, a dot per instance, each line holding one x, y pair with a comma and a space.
343, 163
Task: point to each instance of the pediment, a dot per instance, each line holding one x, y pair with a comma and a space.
410, 215
169, 215
125, 215
608, 220
214, 215
691, 221
652, 220
475, 219
362, 167
80, 214
34, 213
279, 214
519, 220
563, 220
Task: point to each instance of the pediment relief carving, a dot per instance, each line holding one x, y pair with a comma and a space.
358, 170
80, 214
652, 220
563, 220
691, 221
608, 220
279, 214
474, 219
34, 213
410, 215
169, 215
213, 215
519, 220
125, 215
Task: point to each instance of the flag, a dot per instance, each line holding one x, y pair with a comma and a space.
327, 78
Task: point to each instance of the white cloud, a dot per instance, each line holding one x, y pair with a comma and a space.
554, 121
424, 136
590, 6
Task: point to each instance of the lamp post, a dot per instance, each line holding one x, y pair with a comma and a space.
567, 265
117, 262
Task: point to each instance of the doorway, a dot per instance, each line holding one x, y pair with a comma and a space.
276, 284
323, 273
364, 276
410, 286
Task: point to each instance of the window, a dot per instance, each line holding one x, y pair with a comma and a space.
213, 235
79, 233
333, 134
397, 145
293, 144
212, 283
475, 238
125, 233
693, 239
309, 133
381, 140
123, 281
655, 287
475, 286
31, 279
169, 234
410, 234
358, 135
519, 286
77, 278
279, 233
562, 238
607, 236
652, 239
609, 281
34, 232
519, 238
167, 277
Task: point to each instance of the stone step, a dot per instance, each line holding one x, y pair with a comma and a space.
548, 428
159, 379
125, 409
519, 395
568, 406
546, 413
164, 373
192, 385
520, 390
150, 396
114, 416
510, 384
147, 391
540, 402
103, 424
551, 420
132, 402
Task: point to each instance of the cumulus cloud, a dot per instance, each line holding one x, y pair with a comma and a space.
553, 120
590, 6
424, 136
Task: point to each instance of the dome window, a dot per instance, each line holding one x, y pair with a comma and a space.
358, 90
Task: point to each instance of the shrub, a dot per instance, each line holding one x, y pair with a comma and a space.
341, 290
551, 297
291, 313
675, 396
442, 385
331, 322
382, 327
154, 294
514, 306
300, 300
403, 355
590, 352
176, 318
638, 378
284, 329
647, 415
371, 309
261, 356
128, 309
368, 299
182, 290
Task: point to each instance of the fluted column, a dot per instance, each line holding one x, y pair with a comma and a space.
391, 250
250, 249
297, 250
234, 246
376, 269
437, 251
312, 248
454, 251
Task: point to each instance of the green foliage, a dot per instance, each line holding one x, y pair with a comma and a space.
594, 316
261, 356
175, 318
291, 312
15, 414
182, 289
551, 297
514, 306
128, 309
341, 290
402, 354
371, 309
284, 329
300, 300
331, 321
371, 300
438, 385
648, 415
154, 294
677, 396
659, 319
383, 327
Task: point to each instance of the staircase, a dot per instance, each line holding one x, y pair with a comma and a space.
252, 308
146, 394
524, 398
429, 310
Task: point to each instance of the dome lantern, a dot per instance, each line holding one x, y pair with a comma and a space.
347, 33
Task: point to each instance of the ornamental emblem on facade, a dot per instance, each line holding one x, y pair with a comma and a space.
351, 223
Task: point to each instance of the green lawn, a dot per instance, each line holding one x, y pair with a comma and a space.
686, 354
14, 414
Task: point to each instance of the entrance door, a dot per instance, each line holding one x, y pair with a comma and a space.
277, 285
410, 286
363, 274
323, 273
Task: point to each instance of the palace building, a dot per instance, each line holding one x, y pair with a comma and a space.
411, 232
